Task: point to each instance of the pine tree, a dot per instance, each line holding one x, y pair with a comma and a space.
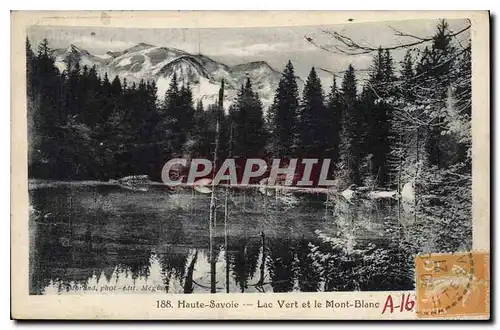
174, 116
407, 76
459, 120
73, 91
379, 137
409, 134
200, 146
186, 107
199, 107
351, 140
312, 128
334, 123
247, 120
282, 115
147, 134
32, 110
48, 115
435, 77
30, 69
388, 75
116, 86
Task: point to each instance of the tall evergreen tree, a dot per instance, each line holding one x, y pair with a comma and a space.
282, 115
379, 137
187, 108
180, 113
435, 72
407, 76
463, 106
30, 59
312, 128
48, 115
248, 123
200, 146
408, 135
351, 141
334, 123
31, 94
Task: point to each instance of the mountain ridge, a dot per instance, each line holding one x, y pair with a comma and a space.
159, 63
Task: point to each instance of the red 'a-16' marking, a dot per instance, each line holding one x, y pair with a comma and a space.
406, 303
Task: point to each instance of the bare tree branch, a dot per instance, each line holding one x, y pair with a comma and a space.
350, 47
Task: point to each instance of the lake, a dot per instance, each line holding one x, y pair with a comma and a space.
88, 238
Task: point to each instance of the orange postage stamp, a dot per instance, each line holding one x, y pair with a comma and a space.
453, 285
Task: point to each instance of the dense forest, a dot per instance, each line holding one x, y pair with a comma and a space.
404, 127
83, 126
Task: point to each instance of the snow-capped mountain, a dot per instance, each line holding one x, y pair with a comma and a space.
148, 62
73, 54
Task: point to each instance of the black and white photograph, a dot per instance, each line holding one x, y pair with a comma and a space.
305, 158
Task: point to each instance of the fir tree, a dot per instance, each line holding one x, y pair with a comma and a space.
312, 128
116, 87
351, 141
48, 115
30, 57
176, 118
248, 123
435, 76
379, 137
334, 123
199, 107
282, 115
200, 145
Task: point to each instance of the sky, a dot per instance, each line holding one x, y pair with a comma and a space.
275, 45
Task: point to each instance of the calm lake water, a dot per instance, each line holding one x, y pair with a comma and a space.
100, 238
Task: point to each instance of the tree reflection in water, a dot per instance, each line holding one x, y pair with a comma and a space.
102, 235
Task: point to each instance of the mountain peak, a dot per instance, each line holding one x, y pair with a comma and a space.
74, 49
